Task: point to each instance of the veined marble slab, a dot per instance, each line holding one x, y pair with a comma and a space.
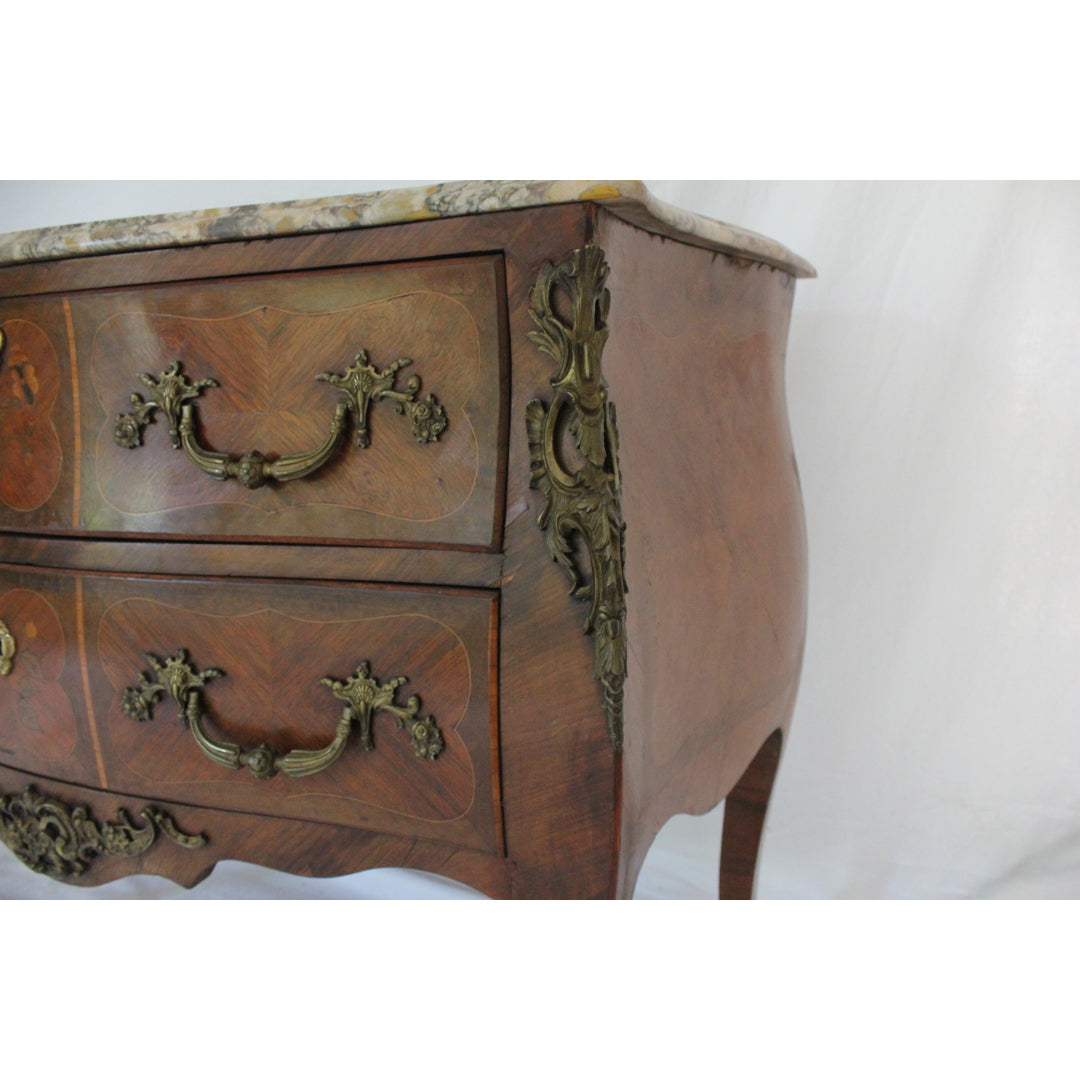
628, 199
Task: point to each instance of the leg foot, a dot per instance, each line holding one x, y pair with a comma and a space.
744, 817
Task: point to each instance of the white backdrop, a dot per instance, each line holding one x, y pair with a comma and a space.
934, 394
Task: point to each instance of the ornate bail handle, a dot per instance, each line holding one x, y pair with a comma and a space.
362, 694
361, 383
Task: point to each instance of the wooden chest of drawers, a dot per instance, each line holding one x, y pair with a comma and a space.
387, 532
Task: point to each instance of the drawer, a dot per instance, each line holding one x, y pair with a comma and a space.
356, 404
359, 705
42, 712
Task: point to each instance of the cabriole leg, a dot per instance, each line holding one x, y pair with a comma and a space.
744, 818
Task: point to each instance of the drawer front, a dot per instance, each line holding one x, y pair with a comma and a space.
43, 725
387, 381
148, 686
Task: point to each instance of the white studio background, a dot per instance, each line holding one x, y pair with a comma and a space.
934, 395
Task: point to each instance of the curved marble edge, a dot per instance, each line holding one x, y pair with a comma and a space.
628, 199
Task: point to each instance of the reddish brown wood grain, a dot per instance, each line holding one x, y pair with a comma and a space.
30, 451
469, 606
40, 697
560, 772
744, 819
310, 849
324, 562
274, 641
265, 339
38, 463
716, 545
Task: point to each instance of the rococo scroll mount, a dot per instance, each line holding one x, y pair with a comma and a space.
585, 501
52, 837
362, 384
362, 694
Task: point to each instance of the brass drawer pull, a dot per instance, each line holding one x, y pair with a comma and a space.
361, 383
362, 694
7, 649
253, 470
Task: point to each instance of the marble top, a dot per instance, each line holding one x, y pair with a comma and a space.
627, 199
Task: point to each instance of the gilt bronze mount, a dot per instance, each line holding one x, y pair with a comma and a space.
362, 694
7, 649
585, 501
361, 383
52, 837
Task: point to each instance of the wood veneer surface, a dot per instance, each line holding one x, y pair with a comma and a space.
274, 641
715, 561
73, 361
715, 535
